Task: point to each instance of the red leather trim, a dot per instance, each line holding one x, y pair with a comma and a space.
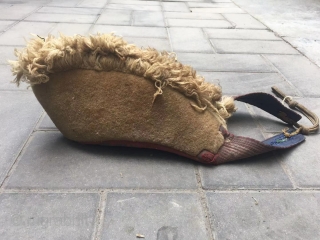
241, 147
207, 157
145, 145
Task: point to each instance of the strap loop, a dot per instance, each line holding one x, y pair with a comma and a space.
284, 100
293, 104
297, 106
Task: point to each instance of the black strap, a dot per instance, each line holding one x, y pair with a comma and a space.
271, 105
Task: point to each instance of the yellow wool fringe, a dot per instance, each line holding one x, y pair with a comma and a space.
108, 52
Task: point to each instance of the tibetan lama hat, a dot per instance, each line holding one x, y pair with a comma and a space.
102, 90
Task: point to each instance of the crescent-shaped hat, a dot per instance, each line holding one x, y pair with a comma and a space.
102, 90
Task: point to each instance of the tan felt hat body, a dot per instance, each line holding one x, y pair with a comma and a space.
99, 107
101, 90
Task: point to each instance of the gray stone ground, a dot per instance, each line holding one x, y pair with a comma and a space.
52, 188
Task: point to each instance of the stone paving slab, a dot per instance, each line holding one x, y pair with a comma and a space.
46, 123
54, 17
5, 24
115, 17
175, 7
236, 83
6, 79
7, 53
16, 12
244, 21
217, 10
134, 7
19, 114
260, 172
308, 47
312, 104
305, 79
198, 23
265, 215
155, 215
299, 25
135, 2
225, 62
243, 124
197, 1
252, 47
132, 31
192, 15
142, 18
64, 3
90, 4
189, 40
47, 215
160, 44
303, 162
82, 166
4, 5
67, 10
212, 5
248, 34
70, 29
21, 31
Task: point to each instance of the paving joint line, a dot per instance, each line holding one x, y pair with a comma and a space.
249, 53
166, 23
99, 190
229, 21
207, 38
17, 157
13, 45
57, 22
243, 28
278, 35
128, 26
133, 9
267, 60
98, 16
100, 214
163, 191
204, 204
296, 48
46, 130
132, 18
15, 90
59, 13
187, 6
288, 172
233, 71
40, 121
198, 26
298, 190
79, 3
251, 39
20, 20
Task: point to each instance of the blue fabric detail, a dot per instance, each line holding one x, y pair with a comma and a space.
280, 141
